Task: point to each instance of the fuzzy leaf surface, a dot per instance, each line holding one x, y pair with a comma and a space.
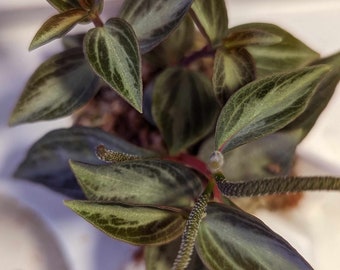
153, 20
113, 53
212, 15
139, 182
273, 185
59, 86
287, 55
47, 161
137, 225
320, 99
266, 105
184, 107
64, 5
229, 238
57, 26
232, 70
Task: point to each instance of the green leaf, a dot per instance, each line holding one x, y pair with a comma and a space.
153, 20
170, 51
148, 181
273, 185
266, 105
138, 225
196, 215
232, 70
184, 107
113, 53
229, 238
287, 55
162, 257
242, 37
64, 5
47, 161
213, 18
320, 99
57, 26
59, 86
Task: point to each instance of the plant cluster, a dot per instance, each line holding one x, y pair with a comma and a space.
254, 105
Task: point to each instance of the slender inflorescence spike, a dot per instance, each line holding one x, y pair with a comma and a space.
197, 213
110, 156
281, 184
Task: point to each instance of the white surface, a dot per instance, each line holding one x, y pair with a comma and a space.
313, 228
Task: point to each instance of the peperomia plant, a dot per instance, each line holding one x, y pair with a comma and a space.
248, 95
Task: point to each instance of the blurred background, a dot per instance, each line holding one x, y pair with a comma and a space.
38, 232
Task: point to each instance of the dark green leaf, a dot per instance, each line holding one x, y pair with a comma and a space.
278, 184
59, 86
139, 182
64, 5
138, 225
321, 97
184, 107
232, 70
287, 55
153, 20
242, 37
57, 26
92, 5
47, 160
173, 49
162, 257
266, 105
229, 238
213, 18
113, 53
196, 215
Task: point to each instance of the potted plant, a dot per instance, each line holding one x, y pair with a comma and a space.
254, 90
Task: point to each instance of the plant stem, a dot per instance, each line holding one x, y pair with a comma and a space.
96, 20
206, 51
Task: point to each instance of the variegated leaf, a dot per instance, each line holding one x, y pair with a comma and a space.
287, 55
153, 20
250, 36
64, 5
229, 238
232, 70
266, 105
320, 99
92, 5
113, 53
212, 17
274, 185
47, 163
184, 107
138, 225
57, 26
60, 85
148, 181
